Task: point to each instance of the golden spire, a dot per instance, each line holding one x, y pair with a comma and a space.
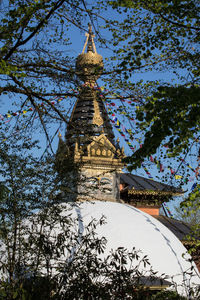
89, 65
89, 40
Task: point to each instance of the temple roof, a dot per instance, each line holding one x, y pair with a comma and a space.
137, 183
179, 228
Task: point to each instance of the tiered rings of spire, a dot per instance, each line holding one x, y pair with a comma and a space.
89, 117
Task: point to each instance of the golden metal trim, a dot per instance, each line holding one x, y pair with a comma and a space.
132, 192
97, 119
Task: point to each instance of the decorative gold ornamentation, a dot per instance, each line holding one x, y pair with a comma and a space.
98, 152
97, 119
99, 144
89, 38
102, 141
149, 192
109, 153
119, 152
74, 108
77, 153
104, 152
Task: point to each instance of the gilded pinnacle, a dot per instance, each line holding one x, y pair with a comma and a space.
89, 65
89, 41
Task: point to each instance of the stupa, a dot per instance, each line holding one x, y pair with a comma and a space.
90, 163
90, 158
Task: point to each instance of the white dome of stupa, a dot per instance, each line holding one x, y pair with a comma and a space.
129, 227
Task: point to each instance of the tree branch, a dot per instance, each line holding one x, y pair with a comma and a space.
178, 24
37, 28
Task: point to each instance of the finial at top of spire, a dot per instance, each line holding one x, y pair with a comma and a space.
89, 40
89, 64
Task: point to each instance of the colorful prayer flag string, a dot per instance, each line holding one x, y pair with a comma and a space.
168, 210
123, 131
146, 171
188, 165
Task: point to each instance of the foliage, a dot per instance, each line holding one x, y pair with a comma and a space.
167, 295
24, 177
170, 112
188, 213
33, 63
160, 35
161, 26
25, 184
191, 206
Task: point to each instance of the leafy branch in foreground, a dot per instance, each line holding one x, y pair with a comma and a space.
171, 114
34, 65
191, 206
160, 36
